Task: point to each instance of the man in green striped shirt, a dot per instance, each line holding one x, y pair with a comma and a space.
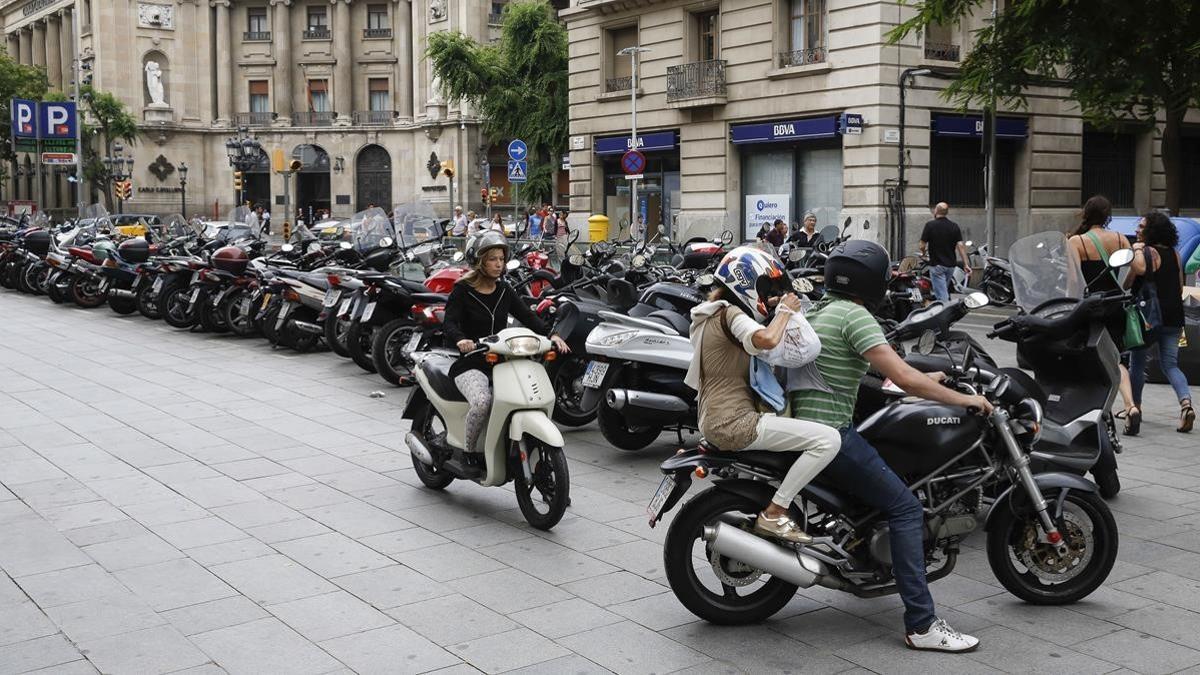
825, 392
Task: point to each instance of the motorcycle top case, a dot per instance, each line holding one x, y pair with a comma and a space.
914, 438
134, 250
672, 296
38, 242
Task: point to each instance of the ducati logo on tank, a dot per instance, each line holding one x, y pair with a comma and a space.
937, 421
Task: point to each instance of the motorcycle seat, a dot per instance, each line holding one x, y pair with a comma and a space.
437, 371
430, 298
673, 319
778, 463
320, 281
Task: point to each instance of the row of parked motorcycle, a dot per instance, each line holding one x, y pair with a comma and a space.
623, 308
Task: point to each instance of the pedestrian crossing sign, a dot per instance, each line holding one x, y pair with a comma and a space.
518, 170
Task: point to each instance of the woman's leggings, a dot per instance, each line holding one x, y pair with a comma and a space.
819, 442
475, 386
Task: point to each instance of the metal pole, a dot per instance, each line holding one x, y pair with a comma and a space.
77, 75
633, 140
37, 157
183, 198
990, 201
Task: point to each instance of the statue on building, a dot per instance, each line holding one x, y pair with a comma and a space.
154, 84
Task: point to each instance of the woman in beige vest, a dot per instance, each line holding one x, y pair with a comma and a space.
725, 332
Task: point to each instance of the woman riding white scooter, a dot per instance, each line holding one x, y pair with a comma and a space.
479, 306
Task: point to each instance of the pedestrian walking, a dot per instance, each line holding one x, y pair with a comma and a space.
266, 222
942, 241
562, 233
497, 223
458, 224
1157, 272
254, 220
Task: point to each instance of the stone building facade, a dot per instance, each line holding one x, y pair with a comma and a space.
751, 108
346, 76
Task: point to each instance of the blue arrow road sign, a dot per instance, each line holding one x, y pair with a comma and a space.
517, 150
518, 171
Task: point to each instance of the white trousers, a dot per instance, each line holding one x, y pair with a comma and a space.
818, 442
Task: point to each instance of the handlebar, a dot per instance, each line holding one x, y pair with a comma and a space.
1085, 310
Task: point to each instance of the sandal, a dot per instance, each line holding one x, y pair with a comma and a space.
1187, 418
1133, 420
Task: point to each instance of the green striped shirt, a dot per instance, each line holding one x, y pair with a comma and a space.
847, 330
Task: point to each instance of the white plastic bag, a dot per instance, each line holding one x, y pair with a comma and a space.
799, 346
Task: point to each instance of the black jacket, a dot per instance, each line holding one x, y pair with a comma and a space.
471, 315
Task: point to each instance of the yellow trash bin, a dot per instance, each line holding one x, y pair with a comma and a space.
597, 227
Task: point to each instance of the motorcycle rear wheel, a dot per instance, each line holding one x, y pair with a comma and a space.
427, 423
718, 601
122, 306
53, 291
358, 344
27, 282
238, 316
301, 341
1088, 527
173, 306
86, 293
335, 334
551, 481
147, 302
386, 348
620, 433
210, 318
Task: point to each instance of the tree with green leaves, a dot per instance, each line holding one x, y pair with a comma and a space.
1122, 61
518, 84
104, 121
16, 81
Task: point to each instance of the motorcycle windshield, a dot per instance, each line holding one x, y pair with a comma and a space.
370, 227
175, 225
1044, 267
415, 221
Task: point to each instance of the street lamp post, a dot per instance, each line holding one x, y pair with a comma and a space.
120, 168
632, 53
183, 171
243, 153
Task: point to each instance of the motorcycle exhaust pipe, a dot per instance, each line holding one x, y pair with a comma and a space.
417, 447
620, 399
122, 293
785, 563
309, 327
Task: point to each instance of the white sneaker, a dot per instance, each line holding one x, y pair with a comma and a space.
940, 637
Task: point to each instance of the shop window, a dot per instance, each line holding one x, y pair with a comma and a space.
256, 21
620, 70
260, 97
808, 173
806, 33
318, 95
380, 96
957, 174
1189, 185
1109, 160
708, 35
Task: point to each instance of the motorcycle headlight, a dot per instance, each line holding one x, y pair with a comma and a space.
524, 346
1027, 416
617, 338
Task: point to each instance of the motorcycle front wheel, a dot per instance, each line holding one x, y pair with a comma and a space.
1039, 574
997, 293
427, 425
544, 498
715, 588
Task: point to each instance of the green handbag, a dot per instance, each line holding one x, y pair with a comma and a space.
1134, 323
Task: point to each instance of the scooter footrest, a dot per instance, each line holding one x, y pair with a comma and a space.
463, 469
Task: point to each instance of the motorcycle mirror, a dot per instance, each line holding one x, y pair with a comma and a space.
846, 223
968, 243
976, 300
866, 225
386, 242
577, 259
705, 280
512, 265
1120, 257
797, 254
346, 245
726, 237
926, 343
639, 260
457, 257
802, 286
287, 248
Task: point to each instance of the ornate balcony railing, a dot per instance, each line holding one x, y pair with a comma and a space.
802, 57
495, 19
317, 34
941, 51
377, 32
323, 118
701, 79
374, 118
257, 36
255, 119
618, 83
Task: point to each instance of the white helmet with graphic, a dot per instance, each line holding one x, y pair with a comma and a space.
752, 276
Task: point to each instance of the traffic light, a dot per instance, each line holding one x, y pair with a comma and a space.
124, 189
448, 168
495, 194
237, 180
295, 165
483, 194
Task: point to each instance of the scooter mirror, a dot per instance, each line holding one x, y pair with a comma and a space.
386, 242
926, 343
797, 254
577, 259
976, 300
968, 243
705, 280
1121, 257
346, 245
846, 223
638, 261
866, 225
726, 237
457, 257
802, 286
512, 265
287, 248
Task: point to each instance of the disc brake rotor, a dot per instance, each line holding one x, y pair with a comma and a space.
732, 572
1046, 562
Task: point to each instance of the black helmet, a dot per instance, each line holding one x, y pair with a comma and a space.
858, 269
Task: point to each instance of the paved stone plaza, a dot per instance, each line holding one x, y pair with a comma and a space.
184, 502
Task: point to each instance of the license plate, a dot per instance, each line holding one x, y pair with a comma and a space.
660, 496
344, 306
412, 343
594, 375
915, 294
195, 294
331, 297
367, 312
283, 314
266, 300
220, 296
158, 284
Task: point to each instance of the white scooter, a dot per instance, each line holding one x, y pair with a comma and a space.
520, 442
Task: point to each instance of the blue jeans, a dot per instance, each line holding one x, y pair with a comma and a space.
941, 277
1167, 339
858, 470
